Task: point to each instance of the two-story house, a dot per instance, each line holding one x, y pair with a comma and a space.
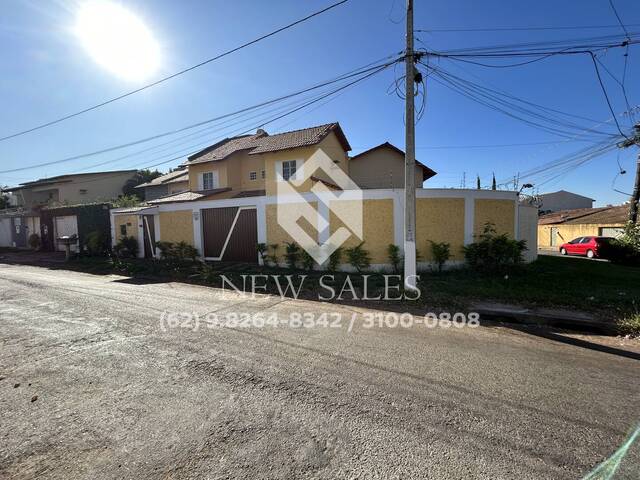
22, 218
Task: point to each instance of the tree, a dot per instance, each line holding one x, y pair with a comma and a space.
141, 176
4, 201
478, 182
493, 183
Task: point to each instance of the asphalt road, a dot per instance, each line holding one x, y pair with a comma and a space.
120, 394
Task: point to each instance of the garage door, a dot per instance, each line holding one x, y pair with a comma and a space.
230, 234
614, 232
65, 226
5, 232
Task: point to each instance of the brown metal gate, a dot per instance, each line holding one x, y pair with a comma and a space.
230, 234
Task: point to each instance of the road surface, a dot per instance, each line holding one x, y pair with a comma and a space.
95, 384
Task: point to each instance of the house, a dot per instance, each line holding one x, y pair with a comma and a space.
563, 200
383, 167
556, 228
22, 219
233, 203
167, 184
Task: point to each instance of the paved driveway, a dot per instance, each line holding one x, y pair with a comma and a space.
122, 395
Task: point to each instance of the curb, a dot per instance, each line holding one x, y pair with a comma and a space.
544, 317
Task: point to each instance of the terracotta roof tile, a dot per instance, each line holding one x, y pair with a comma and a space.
601, 215
261, 142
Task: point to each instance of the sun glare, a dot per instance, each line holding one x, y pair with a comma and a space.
117, 40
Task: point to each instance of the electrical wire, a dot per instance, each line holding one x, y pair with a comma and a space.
346, 76
176, 74
519, 29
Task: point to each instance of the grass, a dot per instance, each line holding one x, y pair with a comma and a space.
630, 325
606, 288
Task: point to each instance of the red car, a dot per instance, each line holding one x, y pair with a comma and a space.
587, 246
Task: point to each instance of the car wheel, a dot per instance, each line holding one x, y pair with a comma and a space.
563, 251
590, 254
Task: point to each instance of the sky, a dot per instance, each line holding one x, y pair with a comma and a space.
47, 73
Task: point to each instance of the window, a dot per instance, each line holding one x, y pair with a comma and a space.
123, 230
253, 175
263, 174
209, 180
288, 169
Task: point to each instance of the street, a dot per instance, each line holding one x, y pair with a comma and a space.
97, 384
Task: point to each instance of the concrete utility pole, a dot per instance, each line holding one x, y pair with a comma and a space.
635, 196
410, 161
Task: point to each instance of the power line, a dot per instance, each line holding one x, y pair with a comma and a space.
518, 29
613, 7
169, 77
353, 73
503, 145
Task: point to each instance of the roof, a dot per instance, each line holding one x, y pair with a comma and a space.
427, 172
542, 195
139, 209
262, 142
617, 215
171, 177
63, 179
205, 195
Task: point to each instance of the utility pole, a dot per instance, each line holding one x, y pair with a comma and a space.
410, 161
635, 196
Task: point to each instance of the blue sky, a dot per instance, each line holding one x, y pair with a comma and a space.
46, 74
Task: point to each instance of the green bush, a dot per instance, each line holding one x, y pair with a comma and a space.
395, 258
207, 273
272, 257
441, 252
335, 259
127, 247
492, 252
34, 241
292, 254
261, 248
96, 243
177, 251
308, 262
359, 257
630, 325
617, 251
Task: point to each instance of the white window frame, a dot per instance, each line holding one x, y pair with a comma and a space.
253, 176
280, 169
214, 180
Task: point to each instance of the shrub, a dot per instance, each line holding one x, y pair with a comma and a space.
358, 257
34, 241
630, 325
184, 251
96, 243
441, 252
167, 249
261, 248
292, 254
395, 258
493, 252
335, 259
617, 251
127, 247
207, 273
273, 256
177, 251
308, 262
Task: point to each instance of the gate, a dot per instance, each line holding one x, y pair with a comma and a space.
230, 234
65, 226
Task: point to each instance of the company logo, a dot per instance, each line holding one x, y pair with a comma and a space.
308, 199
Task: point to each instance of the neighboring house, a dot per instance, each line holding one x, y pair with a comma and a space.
72, 189
232, 202
556, 228
383, 167
563, 200
22, 219
167, 184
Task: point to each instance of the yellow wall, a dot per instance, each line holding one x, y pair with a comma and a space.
176, 226
277, 235
567, 232
440, 220
131, 222
499, 212
198, 168
377, 226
